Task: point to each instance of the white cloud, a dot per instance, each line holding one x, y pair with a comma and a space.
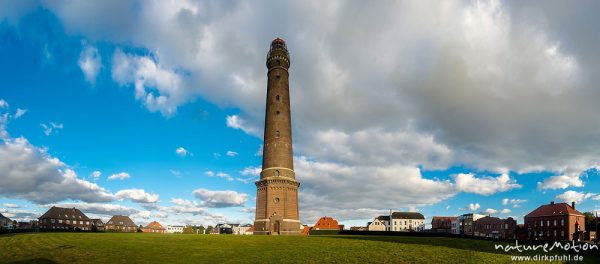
19, 113
331, 186
20, 215
98, 208
3, 103
119, 176
182, 152
219, 174
90, 63
490, 211
51, 127
231, 153
474, 207
467, 182
561, 182
96, 175
181, 206
158, 88
137, 195
175, 173
220, 198
11, 205
237, 122
28, 172
259, 151
516, 203
251, 171
577, 197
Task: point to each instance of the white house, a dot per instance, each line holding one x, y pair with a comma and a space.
381, 223
407, 221
400, 221
171, 229
241, 229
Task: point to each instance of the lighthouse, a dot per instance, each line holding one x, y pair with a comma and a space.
277, 190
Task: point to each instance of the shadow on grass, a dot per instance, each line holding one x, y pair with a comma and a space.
34, 260
465, 244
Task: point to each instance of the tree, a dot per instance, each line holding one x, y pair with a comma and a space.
590, 221
201, 229
209, 229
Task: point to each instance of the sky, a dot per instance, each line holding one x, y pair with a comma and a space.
155, 109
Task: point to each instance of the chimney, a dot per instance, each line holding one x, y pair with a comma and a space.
552, 203
573, 205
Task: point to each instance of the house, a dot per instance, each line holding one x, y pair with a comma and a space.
381, 223
407, 221
224, 228
400, 221
455, 226
154, 227
121, 223
590, 236
327, 223
173, 229
5, 222
555, 221
305, 230
97, 225
28, 225
465, 223
249, 231
442, 224
495, 227
64, 219
241, 229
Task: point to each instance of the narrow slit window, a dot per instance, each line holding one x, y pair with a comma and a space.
277, 112
277, 98
277, 133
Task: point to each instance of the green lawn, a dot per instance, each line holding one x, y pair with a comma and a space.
154, 248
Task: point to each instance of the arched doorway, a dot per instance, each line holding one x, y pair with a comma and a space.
276, 227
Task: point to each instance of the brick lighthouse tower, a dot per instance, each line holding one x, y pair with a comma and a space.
277, 189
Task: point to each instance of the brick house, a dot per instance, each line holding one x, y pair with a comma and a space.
495, 227
555, 221
464, 223
154, 227
121, 223
97, 225
327, 223
5, 222
442, 224
65, 219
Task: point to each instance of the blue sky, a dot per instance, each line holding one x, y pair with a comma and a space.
489, 108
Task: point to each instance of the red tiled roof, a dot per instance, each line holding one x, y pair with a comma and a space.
155, 225
327, 222
554, 210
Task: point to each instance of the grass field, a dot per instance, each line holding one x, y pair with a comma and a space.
154, 248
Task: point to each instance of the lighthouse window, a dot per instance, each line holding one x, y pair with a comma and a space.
277, 98
276, 172
278, 76
277, 133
